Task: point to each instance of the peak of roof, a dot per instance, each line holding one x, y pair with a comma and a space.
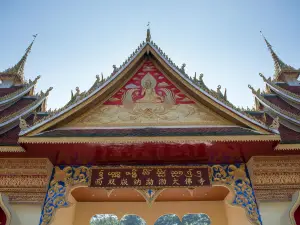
148, 37
17, 71
279, 65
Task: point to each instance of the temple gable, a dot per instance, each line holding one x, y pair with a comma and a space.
148, 98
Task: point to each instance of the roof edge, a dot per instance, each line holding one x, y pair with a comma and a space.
158, 139
19, 93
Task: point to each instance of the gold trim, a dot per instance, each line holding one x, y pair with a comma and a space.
169, 139
123, 73
288, 147
11, 149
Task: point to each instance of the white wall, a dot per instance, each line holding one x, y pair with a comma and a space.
29, 214
271, 212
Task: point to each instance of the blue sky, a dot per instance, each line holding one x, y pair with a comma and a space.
79, 39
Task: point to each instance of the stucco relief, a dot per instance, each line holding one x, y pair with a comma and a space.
274, 178
149, 98
25, 180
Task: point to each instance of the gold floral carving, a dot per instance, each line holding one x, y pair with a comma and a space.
274, 177
149, 114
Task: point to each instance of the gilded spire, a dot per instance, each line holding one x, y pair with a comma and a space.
279, 65
148, 38
18, 69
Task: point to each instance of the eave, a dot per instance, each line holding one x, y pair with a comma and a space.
281, 91
24, 111
277, 110
145, 48
18, 94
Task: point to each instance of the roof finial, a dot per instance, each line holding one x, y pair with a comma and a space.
278, 63
18, 69
148, 38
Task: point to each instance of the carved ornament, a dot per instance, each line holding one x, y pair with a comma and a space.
25, 180
274, 178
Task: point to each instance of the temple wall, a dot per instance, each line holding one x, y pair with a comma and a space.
29, 214
271, 212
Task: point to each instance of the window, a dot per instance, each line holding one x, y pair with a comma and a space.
168, 219
196, 219
104, 219
110, 219
188, 219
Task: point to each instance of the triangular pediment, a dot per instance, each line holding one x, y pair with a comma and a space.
148, 90
149, 98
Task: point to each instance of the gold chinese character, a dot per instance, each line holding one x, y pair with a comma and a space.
161, 173
99, 181
137, 182
201, 181
146, 172
162, 181
175, 181
124, 182
111, 182
149, 181
188, 181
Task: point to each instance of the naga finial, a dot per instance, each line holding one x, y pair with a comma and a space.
23, 124
148, 38
263, 77
252, 89
275, 124
115, 69
47, 92
77, 91
97, 78
183, 67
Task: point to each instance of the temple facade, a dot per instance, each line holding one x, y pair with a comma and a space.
150, 144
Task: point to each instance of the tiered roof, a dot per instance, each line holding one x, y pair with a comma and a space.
281, 100
17, 101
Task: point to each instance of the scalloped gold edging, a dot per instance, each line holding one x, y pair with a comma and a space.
172, 139
288, 147
11, 149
